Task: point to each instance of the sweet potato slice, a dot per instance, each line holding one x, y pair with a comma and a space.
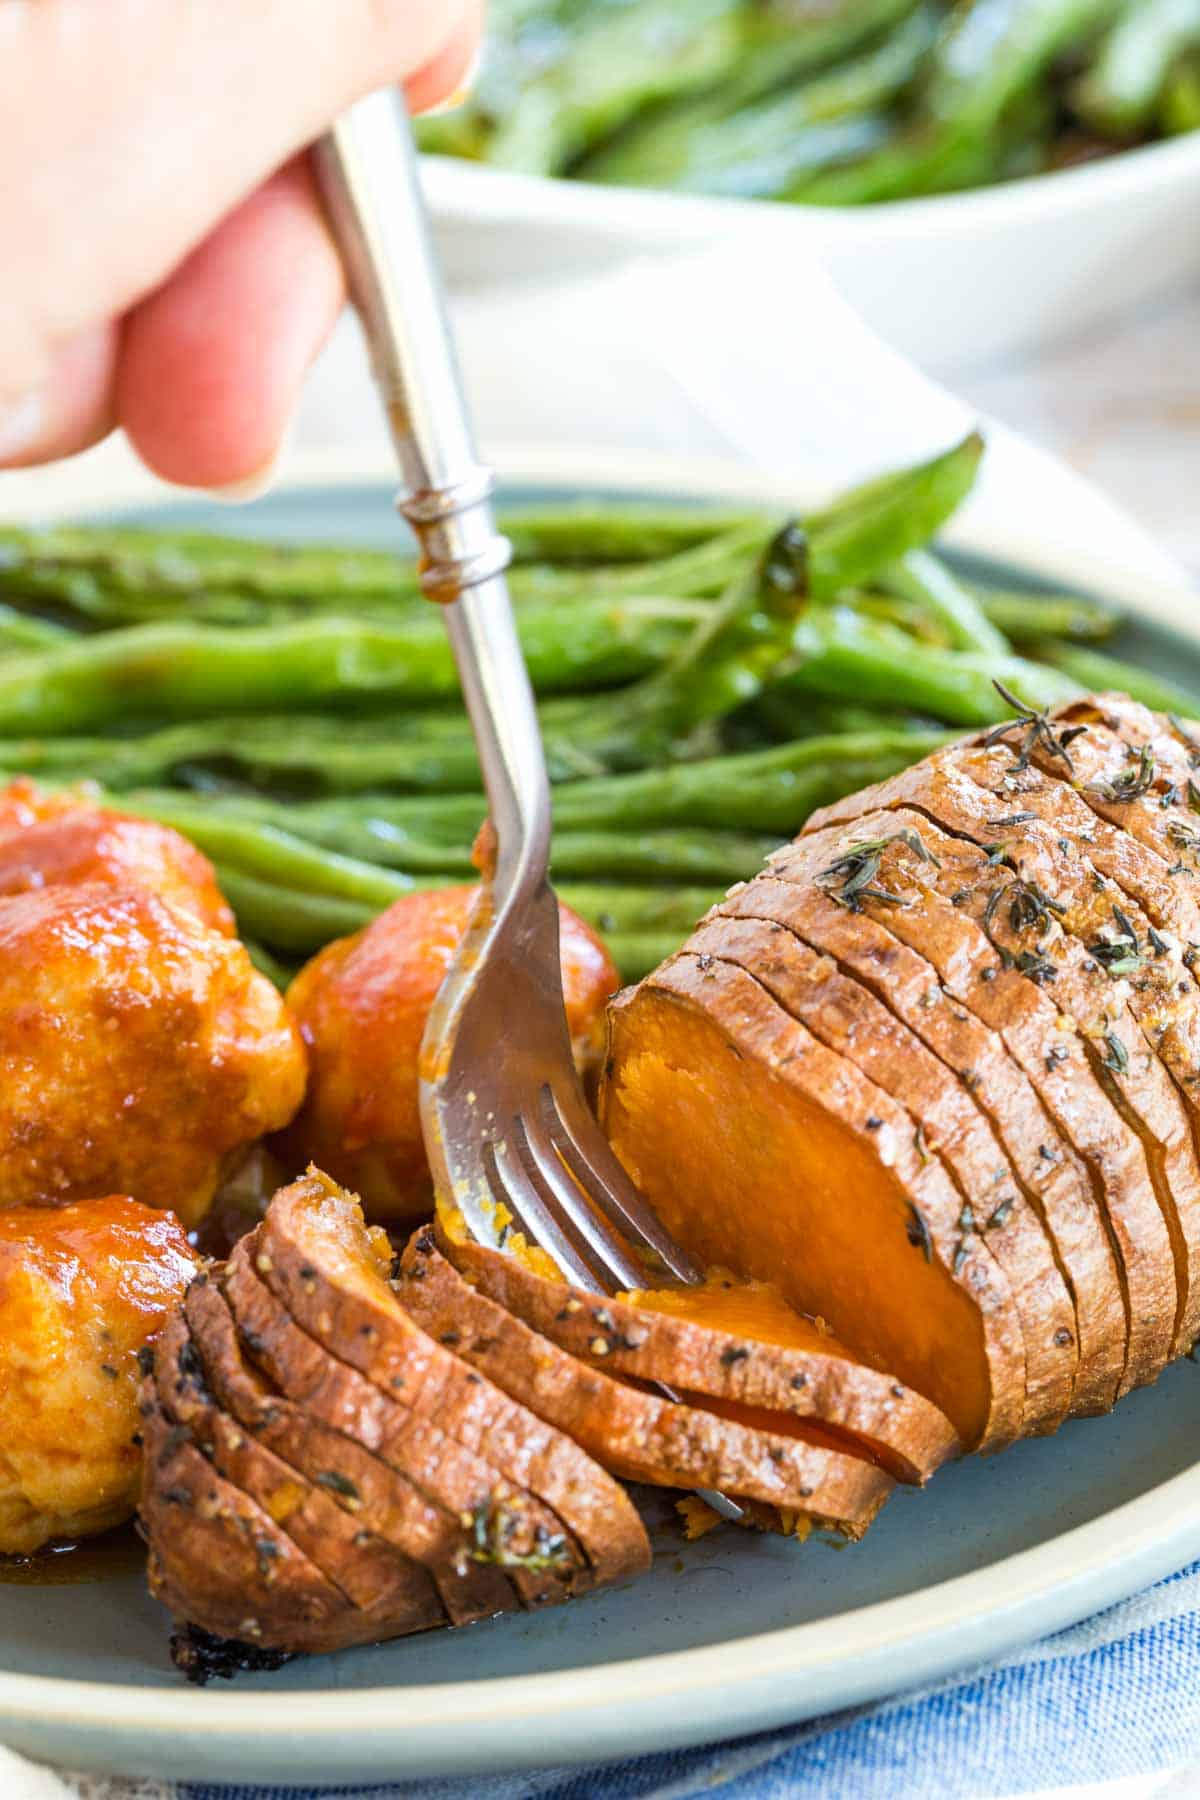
314, 1254
1132, 768
322, 1521
384, 1494
541, 1560
638, 1435
1047, 1169
218, 1560
727, 1340
1143, 868
1044, 1039
768, 1154
846, 1018
1052, 913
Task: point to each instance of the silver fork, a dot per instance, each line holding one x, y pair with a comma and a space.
507, 1128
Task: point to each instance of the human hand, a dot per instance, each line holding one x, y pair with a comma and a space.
166, 265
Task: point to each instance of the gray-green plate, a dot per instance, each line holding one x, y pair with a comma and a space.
732, 1634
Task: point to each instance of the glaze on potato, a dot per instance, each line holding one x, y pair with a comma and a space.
82, 1289
140, 1050
362, 1004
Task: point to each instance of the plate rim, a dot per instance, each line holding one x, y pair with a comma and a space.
789, 1672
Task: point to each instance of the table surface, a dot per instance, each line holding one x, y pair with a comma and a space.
1123, 407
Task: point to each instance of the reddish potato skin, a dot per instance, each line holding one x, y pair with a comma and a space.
66, 840
361, 1005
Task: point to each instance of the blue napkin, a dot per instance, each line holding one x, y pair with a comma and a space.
1118, 1695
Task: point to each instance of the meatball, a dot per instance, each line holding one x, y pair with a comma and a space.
82, 1289
91, 844
140, 1049
362, 1004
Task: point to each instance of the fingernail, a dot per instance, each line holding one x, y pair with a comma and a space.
21, 425
461, 94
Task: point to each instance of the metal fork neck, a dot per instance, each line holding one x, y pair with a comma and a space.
367, 170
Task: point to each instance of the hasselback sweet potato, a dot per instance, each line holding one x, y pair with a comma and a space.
314, 1254
398, 1594
1038, 1160
985, 970
844, 1017
418, 1484
733, 1341
1093, 941
638, 1435
218, 1560
398, 1509
769, 1155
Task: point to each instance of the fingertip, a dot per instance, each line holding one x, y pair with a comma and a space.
212, 363
448, 76
71, 408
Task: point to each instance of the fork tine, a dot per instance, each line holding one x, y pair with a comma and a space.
515, 1184
572, 1202
584, 1149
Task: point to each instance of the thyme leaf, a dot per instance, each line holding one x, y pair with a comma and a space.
1116, 1057
1130, 784
1039, 733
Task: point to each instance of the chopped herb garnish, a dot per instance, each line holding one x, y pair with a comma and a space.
1038, 968
1030, 908
1017, 818
1039, 733
1183, 836
1181, 731
999, 1217
493, 1528
1122, 954
918, 1232
851, 876
733, 1353
1116, 1057
1159, 945
1130, 784
339, 1484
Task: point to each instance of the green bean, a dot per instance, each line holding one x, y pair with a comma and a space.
262, 849
182, 671
286, 920
874, 524
281, 973
927, 582
1120, 91
1025, 618
636, 954
993, 51
21, 632
840, 652
614, 65
759, 150
266, 838
1092, 670
1179, 110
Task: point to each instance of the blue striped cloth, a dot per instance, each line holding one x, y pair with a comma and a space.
1118, 1695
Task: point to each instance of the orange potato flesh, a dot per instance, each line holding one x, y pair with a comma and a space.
752, 1309
752, 1176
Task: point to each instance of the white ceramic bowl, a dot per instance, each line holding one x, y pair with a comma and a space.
954, 281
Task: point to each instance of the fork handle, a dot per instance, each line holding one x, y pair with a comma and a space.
366, 168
